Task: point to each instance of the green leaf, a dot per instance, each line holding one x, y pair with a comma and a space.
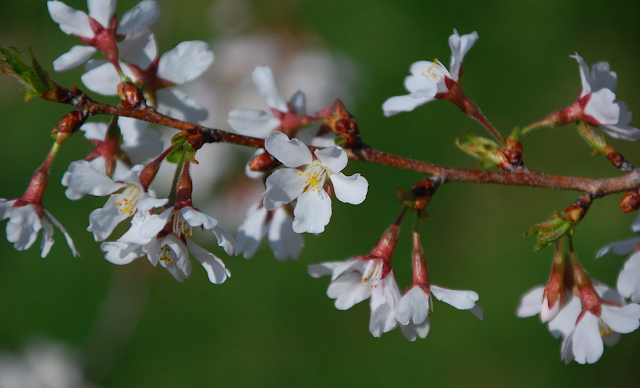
33, 80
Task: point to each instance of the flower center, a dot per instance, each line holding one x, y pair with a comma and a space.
604, 328
167, 254
372, 273
127, 202
314, 176
436, 70
181, 228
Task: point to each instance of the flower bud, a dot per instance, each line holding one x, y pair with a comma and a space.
263, 162
630, 202
130, 96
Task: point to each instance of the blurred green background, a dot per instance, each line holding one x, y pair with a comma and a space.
271, 325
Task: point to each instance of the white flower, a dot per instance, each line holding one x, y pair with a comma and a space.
127, 197
629, 278
277, 224
416, 305
98, 29
594, 329
355, 280
313, 207
165, 238
25, 221
429, 79
155, 75
257, 123
597, 99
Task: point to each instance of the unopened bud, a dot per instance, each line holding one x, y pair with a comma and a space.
131, 96
70, 123
630, 202
263, 162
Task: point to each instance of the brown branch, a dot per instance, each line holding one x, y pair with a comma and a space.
525, 177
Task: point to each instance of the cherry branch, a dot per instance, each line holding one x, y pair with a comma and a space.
525, 177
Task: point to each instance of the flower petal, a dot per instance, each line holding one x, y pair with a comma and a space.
252, 122
264, 80
101, 77
143, 14
620, 247
186, 62
625, 319
459, 47
629, 278
350, 189
215, 268
531, 303
587, 343
71, 21
175, 103
292, 153
334, 158
347, 290
121, 253
602, 108
283, 241
584, 75
102, 10
283, 186
413, 307
395, 105
462, 300
312, 212
139, 48
252, 230
73, 58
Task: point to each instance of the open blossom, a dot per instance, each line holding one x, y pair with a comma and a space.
25, 221
629, 278
276, 225
357, 279
99, 29
127, 196
416, 305
286, 117
431, 80
155, 75
597, 103
165, 238
305, 179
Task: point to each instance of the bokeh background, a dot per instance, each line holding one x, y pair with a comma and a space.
271, 325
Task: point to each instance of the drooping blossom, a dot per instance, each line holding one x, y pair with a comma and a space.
276, 225
99, 29
307, 180
629, 278
431, 80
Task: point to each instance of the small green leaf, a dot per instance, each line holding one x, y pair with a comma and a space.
33, 80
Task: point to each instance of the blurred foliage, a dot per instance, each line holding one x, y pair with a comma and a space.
271, 325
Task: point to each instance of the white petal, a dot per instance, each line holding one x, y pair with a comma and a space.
47, 238
175, 103
251, 122
412, 331
139, 48
283, 186
186, 62
264, 80
66, 234
139, 141
312, 212
104, 220
531, 303
602, 107
83, 178
601, 77
620, 247
196, 218
23, 227
462, 300
291, 153
565, 322
73, 58
215, 268
629, 278
102, 10
101, 77
587, 343
334, 158
350, 189
144, 14
625, 319
252, 230
399, 104
477, 311
299, 103
71, 21
584, 75
121, 253
348, 290
413, 307
225, 240
283, 241
459, 47
382, 320
336, 268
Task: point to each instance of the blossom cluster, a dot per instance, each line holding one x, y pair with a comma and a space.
300, 162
